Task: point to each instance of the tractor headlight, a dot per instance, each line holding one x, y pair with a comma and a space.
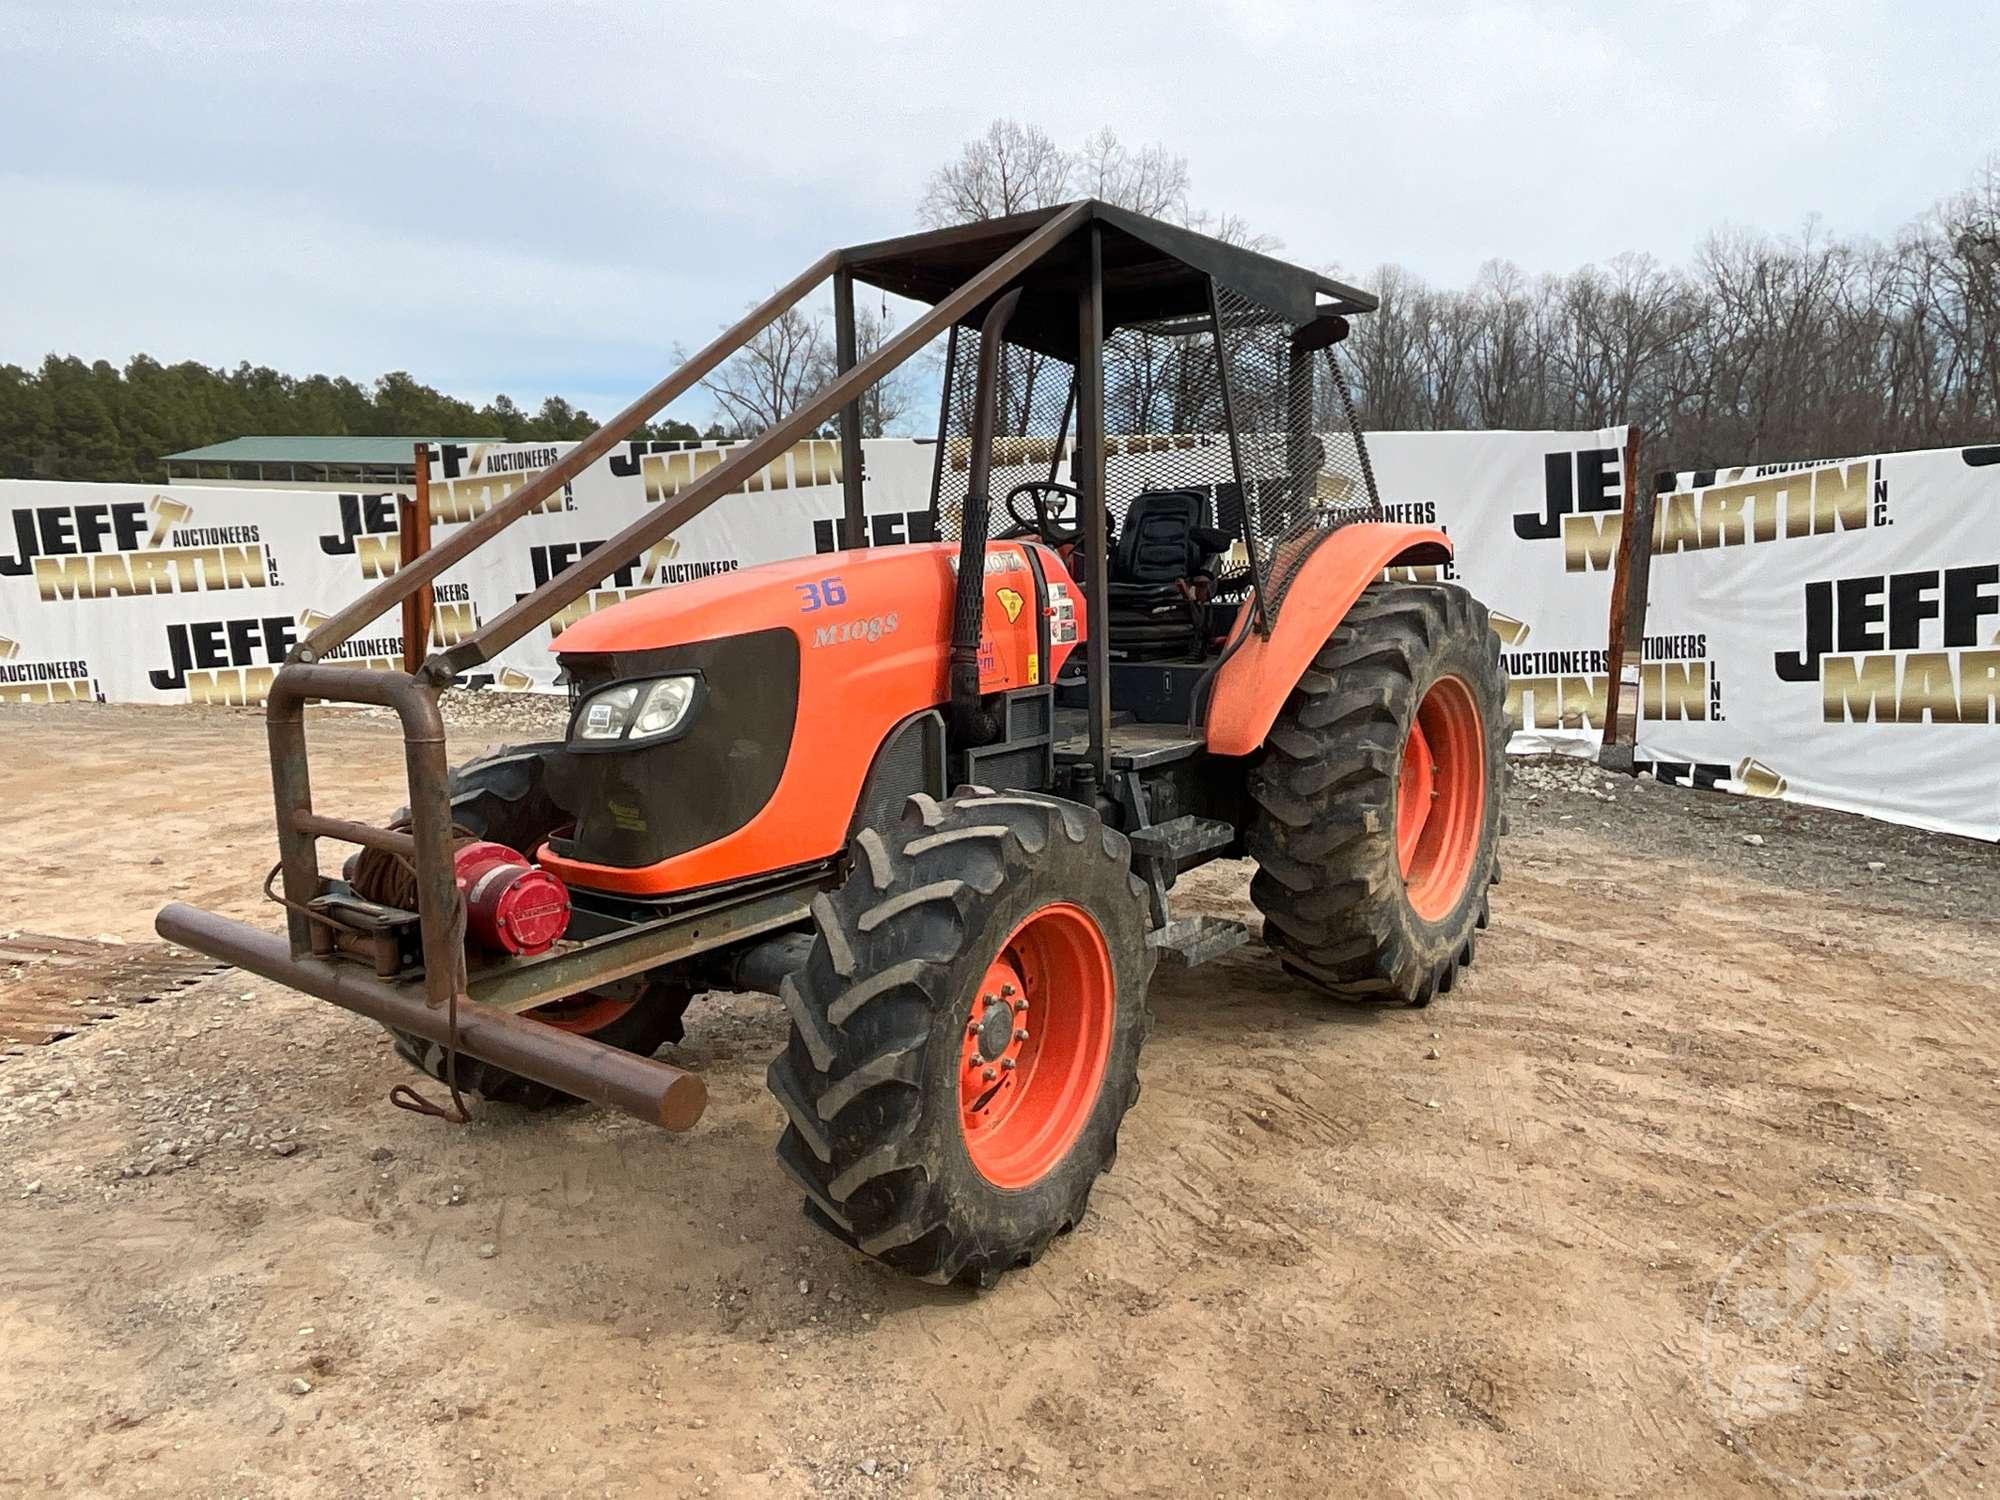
635, 713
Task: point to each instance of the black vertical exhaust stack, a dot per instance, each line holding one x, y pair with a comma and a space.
971, 723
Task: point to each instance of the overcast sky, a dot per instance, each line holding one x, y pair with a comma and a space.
536, 197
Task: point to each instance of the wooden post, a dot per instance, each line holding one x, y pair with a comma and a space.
1625, 629
413, 537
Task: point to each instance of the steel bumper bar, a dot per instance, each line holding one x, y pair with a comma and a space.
644, 1087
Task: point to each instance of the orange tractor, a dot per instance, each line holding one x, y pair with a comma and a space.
936, 796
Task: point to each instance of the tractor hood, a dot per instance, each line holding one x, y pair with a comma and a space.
795, 675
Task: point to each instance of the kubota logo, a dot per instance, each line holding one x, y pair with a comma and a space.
124, 548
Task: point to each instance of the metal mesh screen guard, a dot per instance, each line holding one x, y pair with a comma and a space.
1302, 461
1260, 426
1031, 430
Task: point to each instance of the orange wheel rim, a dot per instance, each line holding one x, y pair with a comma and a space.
1441, 798
584, 1014
1031, 1062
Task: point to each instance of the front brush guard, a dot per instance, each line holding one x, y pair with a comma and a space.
439, 1007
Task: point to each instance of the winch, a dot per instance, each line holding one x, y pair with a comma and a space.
511, 904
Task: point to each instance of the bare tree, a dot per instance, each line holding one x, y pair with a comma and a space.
773, 375
1231, 229
1759, 349
1009, 169
1013, 168
1151, 180
885, 402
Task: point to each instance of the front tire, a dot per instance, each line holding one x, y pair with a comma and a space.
965, 1033
1379, 801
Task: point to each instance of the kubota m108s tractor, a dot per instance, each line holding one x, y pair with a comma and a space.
936, 796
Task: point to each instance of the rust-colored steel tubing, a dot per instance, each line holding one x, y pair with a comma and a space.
469, 538
413, 537
853, 510
582, 575
654, 1091
1087, 469
388, 840
406, 533
439, 906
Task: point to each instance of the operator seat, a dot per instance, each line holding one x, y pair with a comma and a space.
1166, 545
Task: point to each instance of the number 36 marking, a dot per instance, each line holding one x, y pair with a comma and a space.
818, 595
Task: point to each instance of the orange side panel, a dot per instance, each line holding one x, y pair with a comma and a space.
1254, 681
874, 632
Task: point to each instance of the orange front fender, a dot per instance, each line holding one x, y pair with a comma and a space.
1254, 680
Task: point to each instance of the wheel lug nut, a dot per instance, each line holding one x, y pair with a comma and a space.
1020, 1034
1020, 1005
1007, 1063
1006, 990
989, 1075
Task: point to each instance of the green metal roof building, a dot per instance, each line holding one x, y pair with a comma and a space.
304, 462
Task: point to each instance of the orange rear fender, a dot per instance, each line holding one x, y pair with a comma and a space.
1253, 683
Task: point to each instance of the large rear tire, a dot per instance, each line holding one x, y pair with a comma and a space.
965, 1033
1378, 802
504, 797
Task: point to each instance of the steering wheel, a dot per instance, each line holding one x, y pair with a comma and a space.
1049, 500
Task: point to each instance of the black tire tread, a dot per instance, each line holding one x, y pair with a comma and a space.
1323, 795
876, 996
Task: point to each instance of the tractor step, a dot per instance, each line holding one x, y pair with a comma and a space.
1181, 842
1195, 940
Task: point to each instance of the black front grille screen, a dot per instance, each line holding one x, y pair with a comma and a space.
1260, 425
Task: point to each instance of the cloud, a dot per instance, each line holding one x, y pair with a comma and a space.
541, 196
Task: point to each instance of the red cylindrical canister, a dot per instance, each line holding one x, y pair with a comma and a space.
510, 904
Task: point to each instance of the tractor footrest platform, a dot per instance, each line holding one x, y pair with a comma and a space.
1195, 940
1180, 842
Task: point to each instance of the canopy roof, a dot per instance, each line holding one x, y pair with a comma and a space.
1153, 272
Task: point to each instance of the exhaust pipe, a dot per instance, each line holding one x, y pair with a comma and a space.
970, 723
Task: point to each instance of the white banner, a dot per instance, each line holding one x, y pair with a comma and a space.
1848, 613
195, 594
1535, 520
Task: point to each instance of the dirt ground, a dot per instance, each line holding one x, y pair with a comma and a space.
1469, 1250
